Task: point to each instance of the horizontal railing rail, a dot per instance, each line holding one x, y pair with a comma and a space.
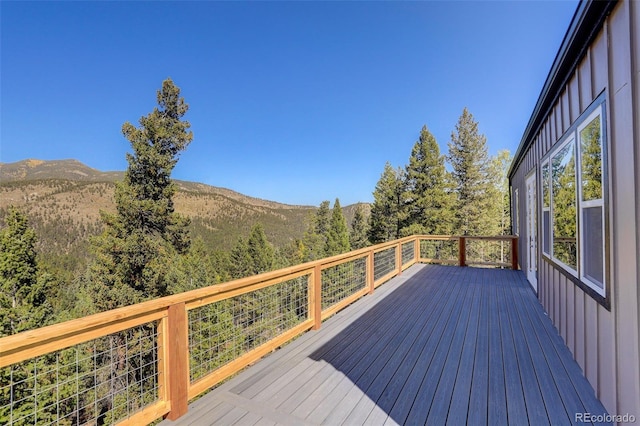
138, 363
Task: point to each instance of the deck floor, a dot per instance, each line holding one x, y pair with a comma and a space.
437, 345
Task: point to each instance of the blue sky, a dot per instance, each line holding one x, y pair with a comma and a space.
295, 102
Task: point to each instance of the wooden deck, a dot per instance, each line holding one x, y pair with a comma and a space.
437, 345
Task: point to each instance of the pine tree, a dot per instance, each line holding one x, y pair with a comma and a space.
502, 213
430, 201
338, 234
314, 241
469, 159
388, 212
134, 251
359, 228
252, 256
23, 303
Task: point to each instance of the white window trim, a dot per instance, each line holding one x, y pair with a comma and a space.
598, 108
568, 139
546, 237
591, 203
516, 198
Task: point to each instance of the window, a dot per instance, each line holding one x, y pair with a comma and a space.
573, 200
546, 210
592, 200
564, 212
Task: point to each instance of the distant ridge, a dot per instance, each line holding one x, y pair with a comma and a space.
63, 200
74, 170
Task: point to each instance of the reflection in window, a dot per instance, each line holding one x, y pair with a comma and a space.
563, 187
591, 202
591, 160
545, 209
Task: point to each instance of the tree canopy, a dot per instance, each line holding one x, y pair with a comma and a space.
132, 253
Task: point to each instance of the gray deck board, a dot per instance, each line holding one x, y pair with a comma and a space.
437, 345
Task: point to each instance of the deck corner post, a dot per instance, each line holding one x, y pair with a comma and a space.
316, 297
176, 353
399, 258
462, 251
514, 253
416, 250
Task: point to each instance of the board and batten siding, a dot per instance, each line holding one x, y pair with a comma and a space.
605, 341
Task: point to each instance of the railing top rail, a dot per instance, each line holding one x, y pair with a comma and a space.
82, 329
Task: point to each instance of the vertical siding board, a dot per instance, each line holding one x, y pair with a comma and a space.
625, 251
563, 309
566, 116
579, 354
574, 99
571, 319
584, 81
591, 340
599, 64
606, 392
555, 294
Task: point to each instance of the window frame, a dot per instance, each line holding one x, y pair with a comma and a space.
577, 275
582, 205
566, 140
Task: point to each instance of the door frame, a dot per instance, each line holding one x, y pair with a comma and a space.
531, 220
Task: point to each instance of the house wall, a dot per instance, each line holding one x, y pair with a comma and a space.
604, 341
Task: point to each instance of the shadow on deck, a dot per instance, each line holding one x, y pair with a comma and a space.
437, 345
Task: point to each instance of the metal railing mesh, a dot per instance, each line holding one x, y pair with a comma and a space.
341, 281
439, 250
223, 331
408, 252
384, 262
487, 252
99, 382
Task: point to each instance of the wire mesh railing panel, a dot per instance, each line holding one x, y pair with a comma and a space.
488, 252
102, 381
341, 281
223, 331
439, 250
384, 262
408, 252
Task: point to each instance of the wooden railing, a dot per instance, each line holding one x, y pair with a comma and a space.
146, 361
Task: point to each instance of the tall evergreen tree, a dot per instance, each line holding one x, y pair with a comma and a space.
134, 251
23, 303
429, 198
252, 256
359, 228
388, 213
338, 234
314, 241
471, 175
499, 171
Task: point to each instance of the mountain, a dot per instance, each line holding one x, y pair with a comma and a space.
63, 200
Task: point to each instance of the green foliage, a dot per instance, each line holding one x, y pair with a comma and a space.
471, 176
429, 196
359, 228
314, 241
133, 254
388, 212
337, 234
23, 302
252, 256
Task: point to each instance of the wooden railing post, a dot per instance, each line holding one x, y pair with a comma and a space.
176, 354
462, 251
399, 258
317, 297
514, 254
370, 272
416, 250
